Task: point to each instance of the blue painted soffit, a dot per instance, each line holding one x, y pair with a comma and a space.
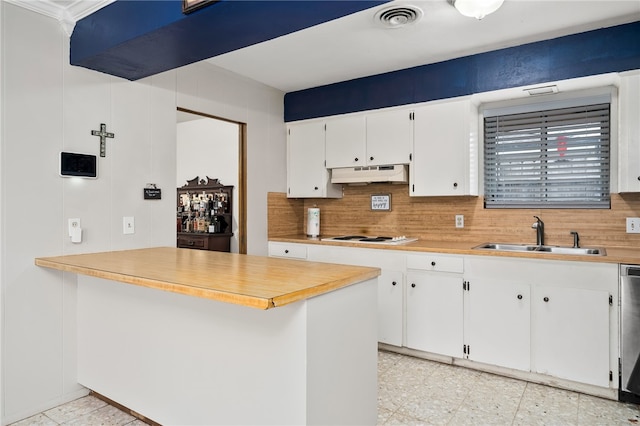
601, 51
136, 39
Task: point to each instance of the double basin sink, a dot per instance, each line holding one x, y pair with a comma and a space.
533, 248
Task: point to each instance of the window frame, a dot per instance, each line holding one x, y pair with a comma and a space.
549, 102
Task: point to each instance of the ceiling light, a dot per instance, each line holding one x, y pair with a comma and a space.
398, 16
476, 8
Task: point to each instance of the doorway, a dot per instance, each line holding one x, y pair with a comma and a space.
215, 147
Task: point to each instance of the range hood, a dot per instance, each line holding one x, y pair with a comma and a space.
397, 173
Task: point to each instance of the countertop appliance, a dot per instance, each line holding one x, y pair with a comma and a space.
401, 239
630, 333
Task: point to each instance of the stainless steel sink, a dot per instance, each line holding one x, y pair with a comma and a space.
592, 251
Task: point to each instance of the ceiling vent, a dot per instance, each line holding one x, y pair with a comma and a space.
398, 16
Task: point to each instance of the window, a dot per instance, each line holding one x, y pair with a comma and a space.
551, 158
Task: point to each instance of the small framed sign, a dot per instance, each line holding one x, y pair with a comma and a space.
381, 202
189, 6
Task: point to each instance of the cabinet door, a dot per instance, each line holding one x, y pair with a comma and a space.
570, 334
306, 172
390, 285
497, 329
435, 312
441, 150
345, 143
629, 144
389, 137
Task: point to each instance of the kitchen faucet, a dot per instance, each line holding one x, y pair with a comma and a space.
538, 225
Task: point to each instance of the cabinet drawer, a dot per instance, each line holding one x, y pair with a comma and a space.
436, 263
294, 251
195, 242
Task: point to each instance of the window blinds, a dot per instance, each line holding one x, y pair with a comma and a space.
556, 158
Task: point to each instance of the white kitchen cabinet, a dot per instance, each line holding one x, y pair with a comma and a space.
434, 312
307, 176
288, 250
629, 131
497, 327
376, 139
445, 149
570, 334
390, 283
389, 137
390, 307
346, 141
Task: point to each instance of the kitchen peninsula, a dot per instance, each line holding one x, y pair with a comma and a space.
174, 334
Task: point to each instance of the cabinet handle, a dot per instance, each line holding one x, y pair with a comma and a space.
356, 159
638, 177
455, 184
286, 251
413, 285
393, 283
519, 297
546, 299
370, 158
191, 243
315, 188
433, 263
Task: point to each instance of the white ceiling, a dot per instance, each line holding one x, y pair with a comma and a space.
355, 46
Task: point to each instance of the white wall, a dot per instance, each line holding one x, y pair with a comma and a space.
209, 147
49, 106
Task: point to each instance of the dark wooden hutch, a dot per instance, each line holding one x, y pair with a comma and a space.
204, 220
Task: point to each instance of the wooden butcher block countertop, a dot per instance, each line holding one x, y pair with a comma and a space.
255, 281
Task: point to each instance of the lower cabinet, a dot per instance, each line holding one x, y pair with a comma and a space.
390, 307
498, 323
435, 312
570, 334
390, 283
554, 318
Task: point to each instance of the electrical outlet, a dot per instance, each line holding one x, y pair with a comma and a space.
459, 221
633, 225
128, 225
73, 224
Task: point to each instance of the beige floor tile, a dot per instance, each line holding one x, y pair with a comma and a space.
598, 411
105, 416
74, 409
399, 419
37, 420
543, 405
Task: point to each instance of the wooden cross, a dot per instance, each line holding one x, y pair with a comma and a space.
103, 138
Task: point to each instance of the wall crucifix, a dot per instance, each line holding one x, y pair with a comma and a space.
103, 134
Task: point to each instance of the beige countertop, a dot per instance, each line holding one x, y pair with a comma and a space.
614, 254
255, 281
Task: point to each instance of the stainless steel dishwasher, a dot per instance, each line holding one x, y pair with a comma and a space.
630, 333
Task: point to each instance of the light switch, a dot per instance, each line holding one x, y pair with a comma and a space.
128, 225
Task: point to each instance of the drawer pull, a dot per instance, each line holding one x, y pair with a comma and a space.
413, 285
433, 263
546, 299
519, 297
286, 251
393, 283
191, 243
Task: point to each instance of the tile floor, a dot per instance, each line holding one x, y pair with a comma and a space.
413, 391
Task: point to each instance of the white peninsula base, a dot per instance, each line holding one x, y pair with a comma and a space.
182, 360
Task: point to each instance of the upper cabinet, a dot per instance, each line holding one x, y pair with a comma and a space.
346, 143
307, 176
376, 139
629, 131
389, 137
445, 149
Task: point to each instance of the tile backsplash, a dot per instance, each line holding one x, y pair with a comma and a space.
434, 218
